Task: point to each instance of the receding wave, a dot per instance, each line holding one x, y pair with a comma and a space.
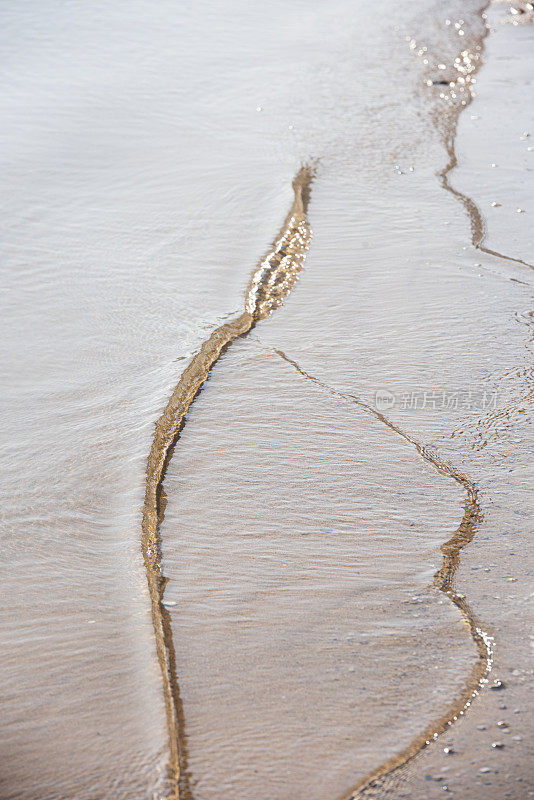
271, 282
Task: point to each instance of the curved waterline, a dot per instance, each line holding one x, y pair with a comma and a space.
476, 219
271, 282
443, 580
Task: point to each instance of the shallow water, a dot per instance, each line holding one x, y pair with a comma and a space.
147, 161
309, 624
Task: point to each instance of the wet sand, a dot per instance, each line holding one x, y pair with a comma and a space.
308, 639
259, 713
490, 750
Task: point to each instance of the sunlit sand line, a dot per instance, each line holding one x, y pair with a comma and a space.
270, 283
443, 580
477, 222
467, 64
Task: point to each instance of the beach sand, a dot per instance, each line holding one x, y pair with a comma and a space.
313, 628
